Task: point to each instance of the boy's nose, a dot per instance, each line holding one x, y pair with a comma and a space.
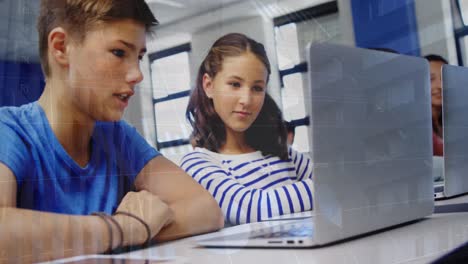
134, 76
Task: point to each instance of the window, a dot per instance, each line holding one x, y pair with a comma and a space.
287, 46
170, 79
293, 97
292, 34
170, 75
463, 9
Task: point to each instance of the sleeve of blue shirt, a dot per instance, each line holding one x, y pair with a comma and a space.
13, 151
133, 152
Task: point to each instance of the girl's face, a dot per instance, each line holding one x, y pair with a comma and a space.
436, 83
104, 69
238, 91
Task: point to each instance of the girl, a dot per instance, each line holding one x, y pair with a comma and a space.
241, 155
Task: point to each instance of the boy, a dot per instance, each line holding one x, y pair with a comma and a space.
68, 155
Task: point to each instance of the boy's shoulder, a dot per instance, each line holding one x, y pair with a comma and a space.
19, 115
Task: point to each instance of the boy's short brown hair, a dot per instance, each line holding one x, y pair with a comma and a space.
79, 16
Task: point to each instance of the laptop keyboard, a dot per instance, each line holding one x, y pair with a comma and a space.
289, 230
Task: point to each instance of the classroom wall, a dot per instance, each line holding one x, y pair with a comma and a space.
346, 22
18, 37
432, 18
20, 83
21, 79
386, 24
435, 28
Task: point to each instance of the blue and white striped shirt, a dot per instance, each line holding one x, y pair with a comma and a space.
251, 187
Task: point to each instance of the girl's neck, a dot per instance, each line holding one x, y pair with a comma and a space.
72, 128
235, 143
436, 109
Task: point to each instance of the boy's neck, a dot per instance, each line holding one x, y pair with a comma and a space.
72, 129
235, 143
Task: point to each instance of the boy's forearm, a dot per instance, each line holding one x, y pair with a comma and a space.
31, 236
195, 216
195, 210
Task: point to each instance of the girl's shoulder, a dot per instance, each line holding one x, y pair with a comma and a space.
199, 154
294, 154
202, 153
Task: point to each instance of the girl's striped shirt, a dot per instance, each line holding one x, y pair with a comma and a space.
251, 187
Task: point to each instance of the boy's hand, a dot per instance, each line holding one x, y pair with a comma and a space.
150, 209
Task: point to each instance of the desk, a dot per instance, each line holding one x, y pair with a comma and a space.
455, 200
420, 242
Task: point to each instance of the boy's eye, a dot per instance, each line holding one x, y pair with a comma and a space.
118, 52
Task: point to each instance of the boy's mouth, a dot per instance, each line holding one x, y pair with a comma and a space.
125, 96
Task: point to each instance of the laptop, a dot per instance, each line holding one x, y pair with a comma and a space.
454, 164
371, 144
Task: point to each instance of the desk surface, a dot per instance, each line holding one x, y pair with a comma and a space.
454, 200
420, 242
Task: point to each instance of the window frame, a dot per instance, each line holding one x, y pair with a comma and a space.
186, 47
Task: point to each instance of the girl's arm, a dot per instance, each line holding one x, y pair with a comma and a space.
302, 163
241, 204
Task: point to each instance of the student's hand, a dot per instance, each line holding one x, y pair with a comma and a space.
150, 209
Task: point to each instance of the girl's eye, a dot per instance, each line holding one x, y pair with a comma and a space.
140, 58
118, 53
258, 89
235, 84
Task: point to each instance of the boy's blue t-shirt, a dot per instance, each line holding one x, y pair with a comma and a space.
48, 179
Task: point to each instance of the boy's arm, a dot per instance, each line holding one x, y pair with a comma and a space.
195, 210
32, 236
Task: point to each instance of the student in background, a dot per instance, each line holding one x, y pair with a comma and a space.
241, 155
69, 155
436, 62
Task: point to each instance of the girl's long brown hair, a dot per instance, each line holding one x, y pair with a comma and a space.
267, 133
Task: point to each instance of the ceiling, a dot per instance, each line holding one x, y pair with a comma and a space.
169, 11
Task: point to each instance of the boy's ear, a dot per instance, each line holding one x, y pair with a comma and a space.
207, 85
58, 40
